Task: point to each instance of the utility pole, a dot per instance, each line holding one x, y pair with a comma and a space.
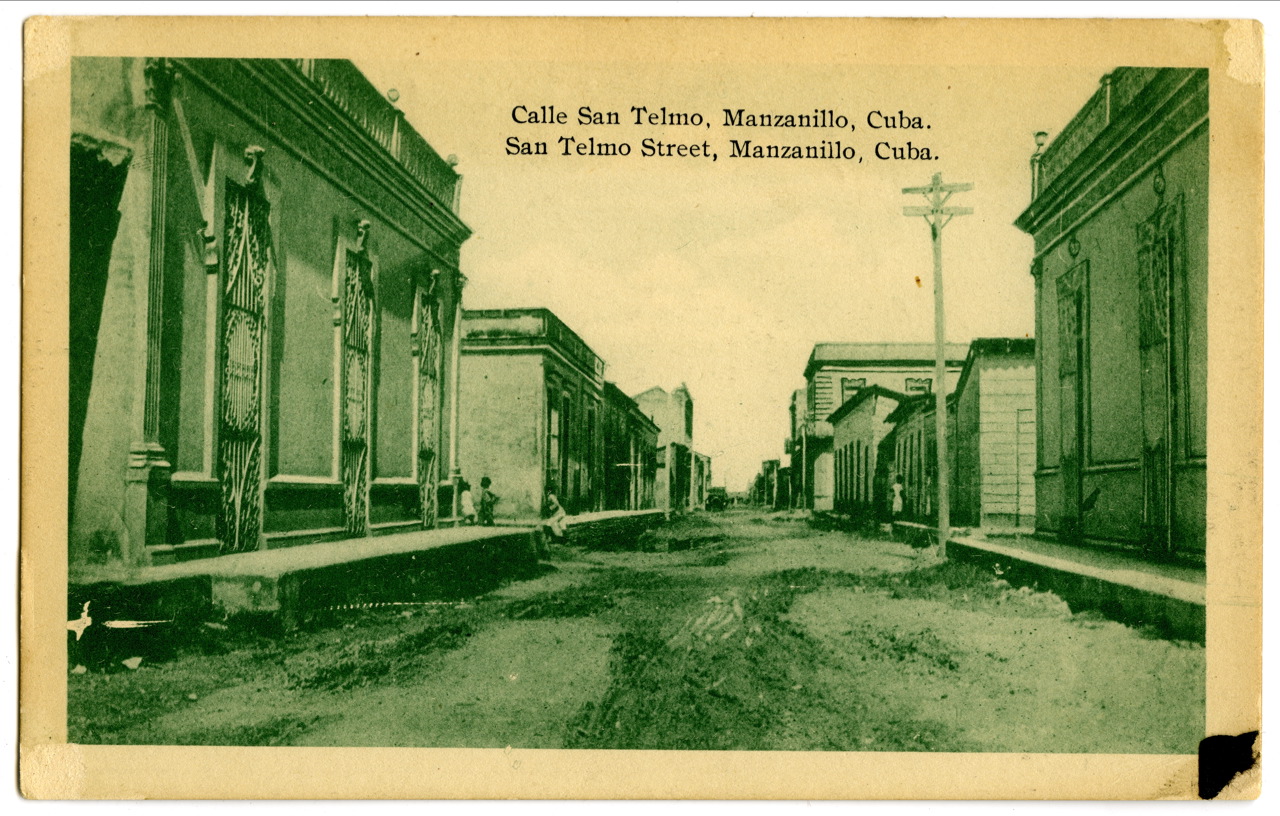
938, 215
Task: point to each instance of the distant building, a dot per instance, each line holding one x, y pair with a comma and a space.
782, 494
858, 427
701, 481
264, 287
1119, 213
675, 485
630, 453
794, 448
834, 375
756, 491
994, 443
533, 396
765, 486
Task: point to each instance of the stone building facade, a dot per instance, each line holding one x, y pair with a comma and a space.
630, 453
1119, 214
857, 429
676, 487
264, 290
833, 376
533, 400
910, 452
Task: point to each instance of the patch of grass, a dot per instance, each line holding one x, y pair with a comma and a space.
115, 707
717, 557
861, 526
577, 602
269, 732
684, 532
754, 682
902, 646
701, 696
364, 663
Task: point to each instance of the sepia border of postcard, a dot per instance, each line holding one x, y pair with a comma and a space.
1232, 50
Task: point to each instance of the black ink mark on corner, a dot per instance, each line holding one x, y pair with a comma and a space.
1223, 758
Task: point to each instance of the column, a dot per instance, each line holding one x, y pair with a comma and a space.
455, 467
149, 469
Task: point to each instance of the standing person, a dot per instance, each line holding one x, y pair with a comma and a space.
466, 504
555, 518
897, 496
484, 510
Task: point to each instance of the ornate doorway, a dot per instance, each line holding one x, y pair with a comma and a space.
428, 348
1159, 251
357, 383
242, 333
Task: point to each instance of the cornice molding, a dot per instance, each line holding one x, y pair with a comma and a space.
299, 91
1165, 97
541, 348
317, 113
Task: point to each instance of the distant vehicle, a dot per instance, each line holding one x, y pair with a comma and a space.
717, 498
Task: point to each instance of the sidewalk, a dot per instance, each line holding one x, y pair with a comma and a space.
290, 584
1121, 585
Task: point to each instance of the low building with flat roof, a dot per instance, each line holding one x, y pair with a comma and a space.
630, 453
532, 395
834, 375
264, 286
995, 436
858, 427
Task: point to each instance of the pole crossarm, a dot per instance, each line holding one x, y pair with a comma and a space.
938, 187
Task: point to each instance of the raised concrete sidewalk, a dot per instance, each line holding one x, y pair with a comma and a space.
1167, 596
291, 584
611, 529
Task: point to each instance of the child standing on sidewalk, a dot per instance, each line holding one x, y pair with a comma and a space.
466, 504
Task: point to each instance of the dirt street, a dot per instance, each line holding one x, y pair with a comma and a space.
741, 631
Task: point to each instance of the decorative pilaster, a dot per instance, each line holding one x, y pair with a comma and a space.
159, 76
427, 347
147, 477
455, 356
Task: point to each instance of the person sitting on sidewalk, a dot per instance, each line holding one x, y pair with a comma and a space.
555, 518
484, 510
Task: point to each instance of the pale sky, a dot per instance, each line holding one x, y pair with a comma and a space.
723, 275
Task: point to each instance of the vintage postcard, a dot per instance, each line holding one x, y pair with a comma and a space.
641, 408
